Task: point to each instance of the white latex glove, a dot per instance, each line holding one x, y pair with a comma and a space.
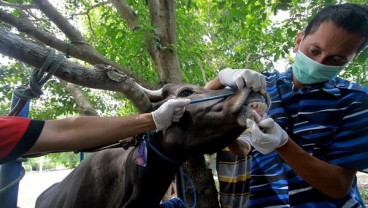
240, 77
271, 138
171, 111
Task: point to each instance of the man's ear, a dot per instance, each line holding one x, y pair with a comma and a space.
298, 40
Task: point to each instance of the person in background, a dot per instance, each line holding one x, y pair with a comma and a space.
233, 170
19, 136
307, 153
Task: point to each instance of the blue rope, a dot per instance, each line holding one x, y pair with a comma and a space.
174, 203
150, 145
193, 190
212, 98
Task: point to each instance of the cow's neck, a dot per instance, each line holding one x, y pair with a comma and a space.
156, 145
155, 178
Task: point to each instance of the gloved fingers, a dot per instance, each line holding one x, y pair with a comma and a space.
267, 123
176, 118
261, 84
258, 81
172, 109
243, 77
263, 91
178, 113
179, 109
239, 82
251, 124
178, 102
253, 127
264, 141
249, 78
227, 76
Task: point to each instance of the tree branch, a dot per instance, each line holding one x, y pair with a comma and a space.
84, 106
202, 70
92, 7
34, 55
88, 16
83, 52
126, 13
25, 25
62, 23
18, 6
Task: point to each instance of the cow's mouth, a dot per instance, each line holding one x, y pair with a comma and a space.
258, 110
251, 105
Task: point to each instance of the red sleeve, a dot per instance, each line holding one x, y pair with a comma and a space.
17, 136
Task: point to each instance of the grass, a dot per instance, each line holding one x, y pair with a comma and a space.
364, 195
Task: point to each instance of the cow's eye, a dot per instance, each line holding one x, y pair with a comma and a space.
185, 93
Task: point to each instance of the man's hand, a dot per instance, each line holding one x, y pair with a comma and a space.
171, 111
241, 147
271, 138
241, 77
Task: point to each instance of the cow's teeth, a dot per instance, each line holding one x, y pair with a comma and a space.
258, 105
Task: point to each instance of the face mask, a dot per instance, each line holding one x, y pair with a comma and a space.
308, 71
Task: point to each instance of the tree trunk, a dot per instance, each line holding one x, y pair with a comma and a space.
203, 182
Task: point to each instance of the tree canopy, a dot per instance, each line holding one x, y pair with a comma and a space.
154, 42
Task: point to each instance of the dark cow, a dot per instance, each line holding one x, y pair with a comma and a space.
111, 178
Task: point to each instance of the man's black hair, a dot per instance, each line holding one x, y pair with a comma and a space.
351, 17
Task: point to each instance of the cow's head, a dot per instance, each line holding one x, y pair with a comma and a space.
207, 127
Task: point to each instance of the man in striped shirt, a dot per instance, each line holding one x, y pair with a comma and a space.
308, 152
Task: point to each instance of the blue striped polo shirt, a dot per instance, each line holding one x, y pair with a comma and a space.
330, 122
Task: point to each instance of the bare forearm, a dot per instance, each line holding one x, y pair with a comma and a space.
332, 180
214, 84
241, 147
86, 132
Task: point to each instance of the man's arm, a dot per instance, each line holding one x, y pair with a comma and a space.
214, 84
241, 146
332, 180
86, 132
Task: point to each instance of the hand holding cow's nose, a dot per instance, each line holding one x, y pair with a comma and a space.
171, 111
270, 138
243, 77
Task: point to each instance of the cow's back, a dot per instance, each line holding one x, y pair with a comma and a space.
99, 179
